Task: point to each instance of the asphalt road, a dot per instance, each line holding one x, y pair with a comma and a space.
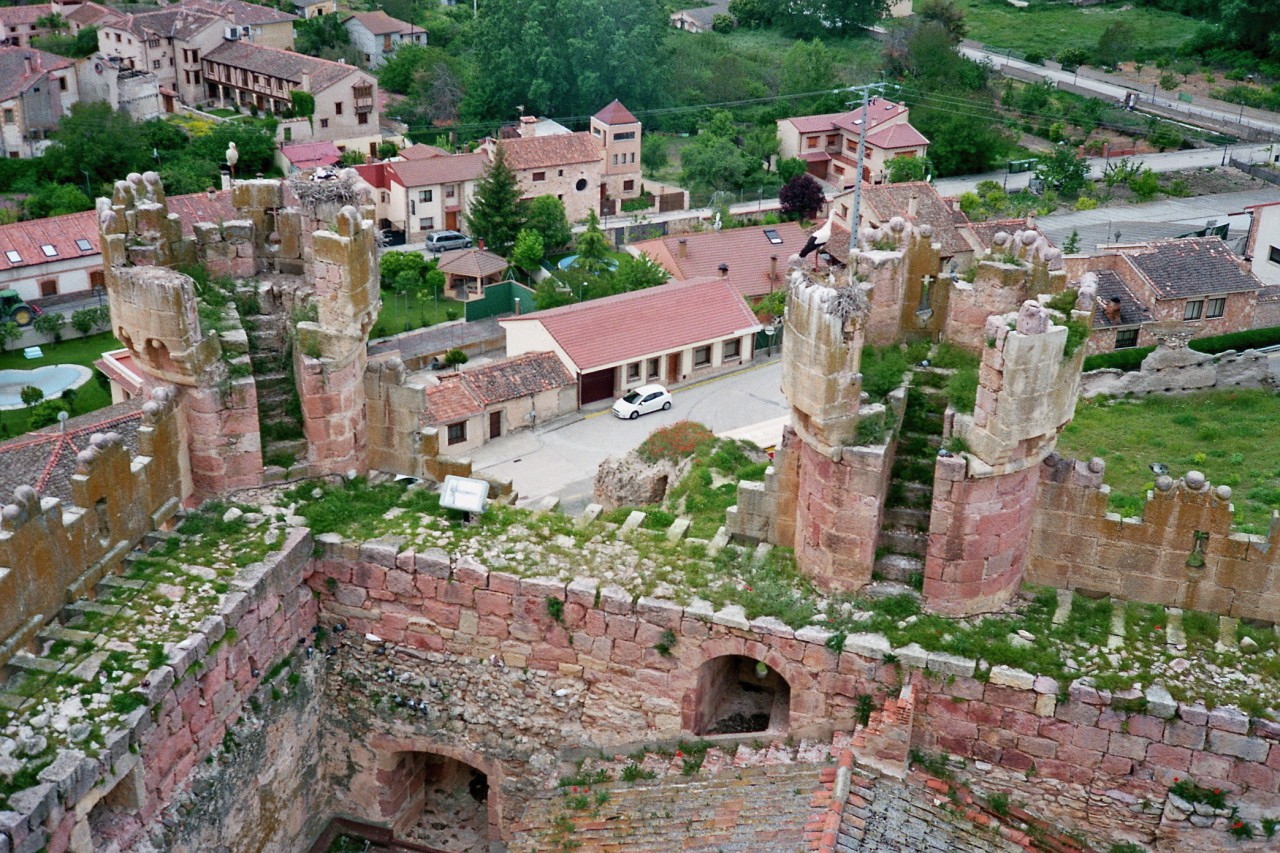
562, 460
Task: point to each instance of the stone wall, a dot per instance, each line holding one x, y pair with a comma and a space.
1076, 544
1182, 370
51, 553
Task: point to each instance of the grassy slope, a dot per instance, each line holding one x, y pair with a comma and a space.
1050, 28
1226, 435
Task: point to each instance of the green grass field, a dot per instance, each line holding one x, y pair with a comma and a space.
1048, 28
401, 314
89, 397
1229, 436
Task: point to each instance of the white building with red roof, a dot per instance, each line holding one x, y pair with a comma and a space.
418, 194
829, 143
670, 333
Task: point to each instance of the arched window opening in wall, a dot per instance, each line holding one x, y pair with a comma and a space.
737, 695
454, 811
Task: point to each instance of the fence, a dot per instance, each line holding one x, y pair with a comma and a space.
1262, 173
507, 297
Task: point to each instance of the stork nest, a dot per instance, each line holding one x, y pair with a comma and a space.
324, 189
850, 300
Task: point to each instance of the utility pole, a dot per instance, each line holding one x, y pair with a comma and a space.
854, 215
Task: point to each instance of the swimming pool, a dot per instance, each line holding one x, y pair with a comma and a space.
52, 379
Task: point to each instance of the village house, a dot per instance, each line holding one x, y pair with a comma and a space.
1262, 246
36, 90
829, 143
301, 156
418, 194
377, 35
700, 19
589, 170
19, 23
346, 98
475, 406
670, 333
314, 8
754, 258
84, 15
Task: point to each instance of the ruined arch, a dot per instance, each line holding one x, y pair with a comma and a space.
411, 770
738, 694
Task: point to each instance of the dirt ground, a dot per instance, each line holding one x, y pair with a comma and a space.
1195, 182
1197, 84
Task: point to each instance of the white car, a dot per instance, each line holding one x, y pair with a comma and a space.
642, 401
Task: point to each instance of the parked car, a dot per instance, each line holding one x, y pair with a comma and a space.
443, 241
642, 401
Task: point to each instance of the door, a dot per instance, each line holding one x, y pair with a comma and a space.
595, 386
451, 220
495, 425
673, 367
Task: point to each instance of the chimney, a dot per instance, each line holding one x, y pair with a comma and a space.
724, 270
225, 170
480, 244
682, 248
913, 205
305, 85
26, 60
1112, 309
528, 126
773, 267
1031, 220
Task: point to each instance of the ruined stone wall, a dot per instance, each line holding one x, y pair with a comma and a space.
903, 303
51, 553
1182, 370
1077, 544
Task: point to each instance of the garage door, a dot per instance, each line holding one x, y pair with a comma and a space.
595, 386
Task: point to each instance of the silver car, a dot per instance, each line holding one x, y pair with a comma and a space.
443, 241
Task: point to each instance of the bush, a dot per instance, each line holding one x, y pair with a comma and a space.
455, 357
30, 395
50, 325
674, 442
46, 412
1122, 359
882, 369
1250, 339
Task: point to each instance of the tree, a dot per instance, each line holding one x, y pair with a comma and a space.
808, 18
801, 198
791, 168
303, 103
807, 67
713, 163
528, 251
638, 273
592, 248
946, 14
722, 23
30, 395
50, 325
551, 294
439, 88
9, 333
753, 13
455, 357
653, 153
1063, 170
256, 145
1072, 244
496, 215
761, 144
313, 36
396, 73
94, 138
84, 319
905, 169
1116, 43
55, 200
545, 214
46, 413
394, 263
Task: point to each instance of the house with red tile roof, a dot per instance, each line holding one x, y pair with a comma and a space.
307, 155
918, 203
595, 169
670, 333
19, 23
36, 90
477, 405
418, 194
829, 143
61, 256
754, 258
377, 35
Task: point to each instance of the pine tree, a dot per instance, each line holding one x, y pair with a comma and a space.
496, 214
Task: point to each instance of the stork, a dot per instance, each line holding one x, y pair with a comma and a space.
818, 239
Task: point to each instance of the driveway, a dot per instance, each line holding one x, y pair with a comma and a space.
562, 459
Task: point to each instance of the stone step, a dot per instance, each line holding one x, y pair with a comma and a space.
31, 663
70, 635
898, 567
907, 517
887, 589
119, 582
296, 446
914, 495
903, 540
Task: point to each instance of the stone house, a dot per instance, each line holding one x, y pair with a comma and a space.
701, 19
829, 143
19, 23
377, 35
346, 98
754, 258
590, 170
416, 195
475, 406
314, 8
37, 90
670, 333
86, 15
467, 272
919, 204
1198, 281
260, 24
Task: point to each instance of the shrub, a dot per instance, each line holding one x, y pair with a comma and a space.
1250, 339
30, 395
46, 412
50, 325
962, 389
674, 442
1127, 360
1169, 81
882, 369
84, 319
455, 357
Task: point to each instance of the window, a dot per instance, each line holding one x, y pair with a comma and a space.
539, 176
653, 368
425, 195
1217, 307
324, 122
49, 250
1126, 338
426, 223
580, 185
560, 173
1193, 310
450, 191
155, 64
153, 42
97, 280
337, 108
13, 256
1273, 255
732, 349
633, 371
771, 234
288, 134
458, 432
615, 159
62, 84
812, 142
362, 118
702, 356
633, 156
49, 287
628, 186
84, 245
8, 116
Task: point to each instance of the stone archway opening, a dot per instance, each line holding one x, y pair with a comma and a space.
448, 803
739, 695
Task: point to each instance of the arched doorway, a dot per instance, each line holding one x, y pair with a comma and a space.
737, 695
440, 802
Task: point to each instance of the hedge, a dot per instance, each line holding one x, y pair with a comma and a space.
1131, 359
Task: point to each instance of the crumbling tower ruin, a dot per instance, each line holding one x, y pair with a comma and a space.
302, 261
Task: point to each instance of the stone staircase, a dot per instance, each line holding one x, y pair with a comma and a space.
904, 534
279, 410
739, 800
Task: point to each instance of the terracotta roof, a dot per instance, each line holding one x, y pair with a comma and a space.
815, 156
63, 232
512, 378
448, 169
546, 151
616, 113
1269, 293
900, 135
309, 155
880, 111
450, 401
885, 201
46, 458
171, 22
622, 328
421, 151
239, 12
1132, 311
12, 16
14, 77
704, 15
475, 263
284, 64
1192, 266
88, 14
379, 23
747, 251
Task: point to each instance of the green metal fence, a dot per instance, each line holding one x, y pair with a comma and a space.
507, 297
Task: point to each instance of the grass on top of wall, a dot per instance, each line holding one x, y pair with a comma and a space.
1227, 435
